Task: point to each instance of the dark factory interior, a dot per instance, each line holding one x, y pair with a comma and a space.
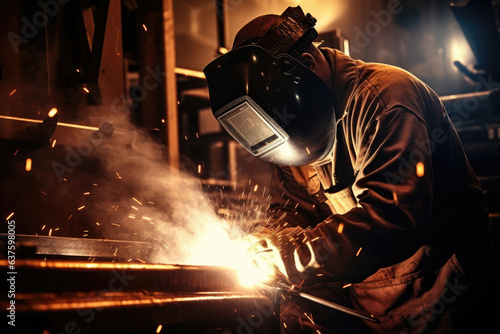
126, 205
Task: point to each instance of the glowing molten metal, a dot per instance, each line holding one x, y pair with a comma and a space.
217, 248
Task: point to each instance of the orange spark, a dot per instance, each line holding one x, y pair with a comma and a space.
347, 285
43, 192
395, 197
158, 330
28, 164
308, 317
50, 232
307, 149
43, 227
359, 251
86, 193
256, 187
12, 93
86, 90
52, 112
199, 169
78, 70
81, 207
163, 120
10, 216
54, 143
340, 228
145, 29
135, 199
420, 169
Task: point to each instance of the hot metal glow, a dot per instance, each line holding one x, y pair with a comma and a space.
28, 164
69, 125
52, 112
359, 251
420, 169
340, 228
217, 248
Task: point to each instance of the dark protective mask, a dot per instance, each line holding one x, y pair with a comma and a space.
269, 102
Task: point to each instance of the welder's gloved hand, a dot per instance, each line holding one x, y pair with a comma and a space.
285, 253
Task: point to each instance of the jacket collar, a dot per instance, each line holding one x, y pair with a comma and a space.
345, 74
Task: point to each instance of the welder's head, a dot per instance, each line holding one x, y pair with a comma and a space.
255, 29
266, 98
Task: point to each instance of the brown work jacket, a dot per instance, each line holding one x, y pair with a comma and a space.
397, 213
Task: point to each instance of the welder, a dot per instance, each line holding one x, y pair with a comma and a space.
373, 202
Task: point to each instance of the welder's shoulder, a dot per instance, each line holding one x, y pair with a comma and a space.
391, 86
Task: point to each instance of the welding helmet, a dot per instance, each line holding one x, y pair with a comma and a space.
273, 105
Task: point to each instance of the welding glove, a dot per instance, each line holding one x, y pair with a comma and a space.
286, 252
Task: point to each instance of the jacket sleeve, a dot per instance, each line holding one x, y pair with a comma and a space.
393, 189
292, 203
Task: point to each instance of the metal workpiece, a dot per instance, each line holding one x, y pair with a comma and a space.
83, 296
81, 248
54, 276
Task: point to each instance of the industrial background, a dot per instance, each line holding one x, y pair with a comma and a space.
133, 153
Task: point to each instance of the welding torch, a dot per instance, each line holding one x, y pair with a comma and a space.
285, 286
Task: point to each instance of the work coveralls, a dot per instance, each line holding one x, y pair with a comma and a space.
394, 224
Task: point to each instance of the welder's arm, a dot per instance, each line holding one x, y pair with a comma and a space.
392, 215
291, 204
